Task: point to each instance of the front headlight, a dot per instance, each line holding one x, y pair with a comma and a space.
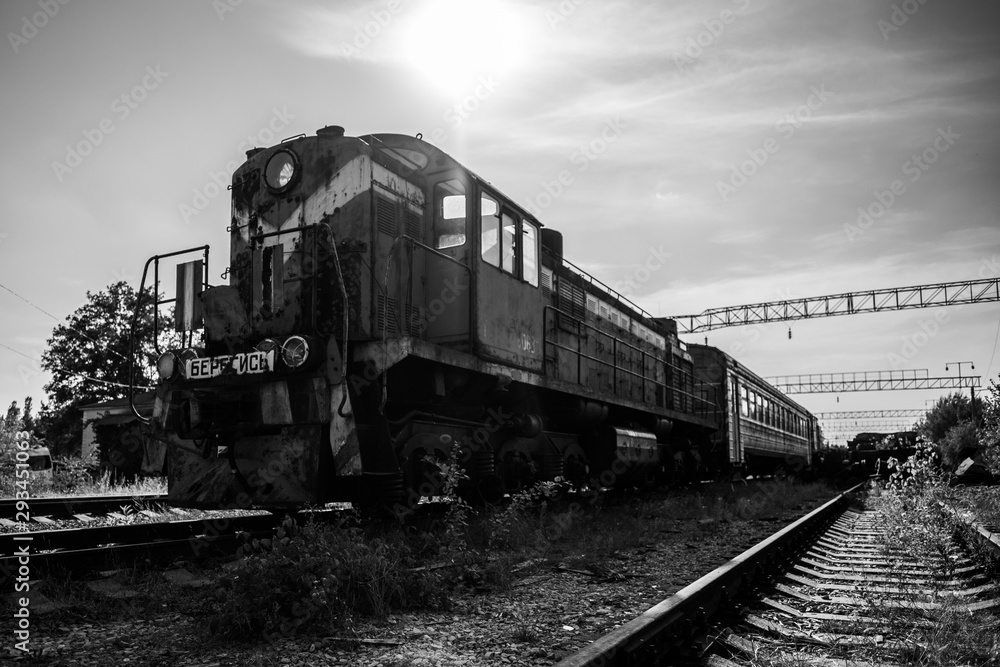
281, 170
295, 351
266, 345
184, 356
166, 365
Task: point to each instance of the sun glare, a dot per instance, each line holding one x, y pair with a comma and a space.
452, 43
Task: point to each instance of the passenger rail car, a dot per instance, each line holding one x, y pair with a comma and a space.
385, 308
761, 431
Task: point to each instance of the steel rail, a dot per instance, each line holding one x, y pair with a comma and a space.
667, 627
77, 550
986, 537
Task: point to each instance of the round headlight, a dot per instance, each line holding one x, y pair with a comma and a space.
280, 171
166, 365
184, 356
266, 345
295, 351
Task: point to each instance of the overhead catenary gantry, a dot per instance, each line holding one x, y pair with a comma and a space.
826, 383
869, 426
849, 303
870, 414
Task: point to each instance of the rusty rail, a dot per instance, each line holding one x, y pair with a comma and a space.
668, 627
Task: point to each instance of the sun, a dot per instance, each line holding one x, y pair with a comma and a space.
453, 43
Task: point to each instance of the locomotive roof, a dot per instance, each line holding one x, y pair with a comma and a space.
441, 161
743, 370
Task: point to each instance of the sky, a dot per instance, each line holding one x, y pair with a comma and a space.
694, 154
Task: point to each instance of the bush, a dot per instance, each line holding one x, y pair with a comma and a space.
71, 474
316, 577
960, 442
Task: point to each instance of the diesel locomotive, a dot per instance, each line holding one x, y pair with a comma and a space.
386, 309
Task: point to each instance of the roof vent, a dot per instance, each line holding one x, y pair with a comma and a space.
330, 131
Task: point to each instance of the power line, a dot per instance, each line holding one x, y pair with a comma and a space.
67, 325
74, 373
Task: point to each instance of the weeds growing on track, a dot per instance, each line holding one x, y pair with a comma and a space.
933, 622
317, 577
927, 624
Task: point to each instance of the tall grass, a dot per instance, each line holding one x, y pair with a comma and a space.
74, 480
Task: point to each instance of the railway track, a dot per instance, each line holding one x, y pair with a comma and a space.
823, 591
45, 510
80, 550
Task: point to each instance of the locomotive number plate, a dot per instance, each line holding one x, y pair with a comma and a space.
238, 364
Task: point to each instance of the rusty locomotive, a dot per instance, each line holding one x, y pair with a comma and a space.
387, 308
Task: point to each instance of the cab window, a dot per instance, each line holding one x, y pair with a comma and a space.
490, 213
529, 253
449, 214
508, 244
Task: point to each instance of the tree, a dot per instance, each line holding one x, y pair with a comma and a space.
88, 359
27, 419
959, 443
989, 435
949, 411
14, 422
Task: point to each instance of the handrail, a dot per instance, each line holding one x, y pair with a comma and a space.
156, 315
698, 404
651, 320
412, 241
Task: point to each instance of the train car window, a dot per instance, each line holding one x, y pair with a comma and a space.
449, 214
508, 244
490, 213
744, 402
529, 254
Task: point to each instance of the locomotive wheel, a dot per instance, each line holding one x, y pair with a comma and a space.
517, 471
422, 474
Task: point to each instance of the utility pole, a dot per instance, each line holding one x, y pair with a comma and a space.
972, 387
